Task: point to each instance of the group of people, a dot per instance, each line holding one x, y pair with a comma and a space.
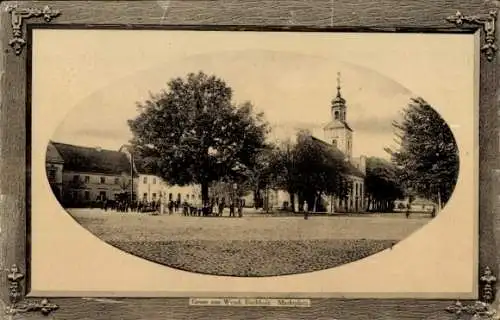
130, 206
214, 207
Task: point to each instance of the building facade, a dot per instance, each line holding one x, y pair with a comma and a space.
87, 175
150, 187
54, 165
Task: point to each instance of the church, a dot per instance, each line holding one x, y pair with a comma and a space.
338, 136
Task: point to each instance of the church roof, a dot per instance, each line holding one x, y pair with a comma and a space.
338, 101
334, 124
351, 169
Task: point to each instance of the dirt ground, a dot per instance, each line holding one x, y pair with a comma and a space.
248, 246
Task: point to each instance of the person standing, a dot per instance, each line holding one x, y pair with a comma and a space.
306, 210
231, 209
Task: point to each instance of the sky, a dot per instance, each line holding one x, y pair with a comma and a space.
291, 81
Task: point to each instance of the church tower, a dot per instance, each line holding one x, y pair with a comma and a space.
337, 132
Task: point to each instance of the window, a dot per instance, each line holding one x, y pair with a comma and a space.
102, 195
337, 115
117, 180
87, 179
87, 195
76, 178
334, 142
145, 180
170, 196
103, 180
179, 197
192, 196
51, 173
154, 180
187, 197
145, 196
154, 196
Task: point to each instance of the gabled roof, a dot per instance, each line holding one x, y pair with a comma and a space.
92, 160
334, 124
52, 155
351, 169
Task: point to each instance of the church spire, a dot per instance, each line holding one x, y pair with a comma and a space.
338, 85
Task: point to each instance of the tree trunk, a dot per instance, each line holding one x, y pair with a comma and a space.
204, 192
256, 202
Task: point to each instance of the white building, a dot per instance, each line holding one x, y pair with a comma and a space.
149, 187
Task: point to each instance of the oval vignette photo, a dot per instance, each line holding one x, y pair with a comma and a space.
252, 163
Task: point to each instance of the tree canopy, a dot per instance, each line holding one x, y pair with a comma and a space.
382, 184
310, 168
196, 134
428, 152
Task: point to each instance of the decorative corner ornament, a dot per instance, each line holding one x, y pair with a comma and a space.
17, 17
17, 305
488, 22
480, 310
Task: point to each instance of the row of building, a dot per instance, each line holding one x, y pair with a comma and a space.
82, 175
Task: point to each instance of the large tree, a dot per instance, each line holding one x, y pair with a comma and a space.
428, 152
282, 173
196, 134
382, 184
311, 168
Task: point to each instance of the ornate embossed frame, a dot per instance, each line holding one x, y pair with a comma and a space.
447, 16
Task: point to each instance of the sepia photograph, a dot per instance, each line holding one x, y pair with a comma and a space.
252, 163
233, 159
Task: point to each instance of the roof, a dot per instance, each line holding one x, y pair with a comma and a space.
351, 169
52, 155
334, 124
92, 160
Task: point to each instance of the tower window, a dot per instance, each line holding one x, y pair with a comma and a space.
334, 142
337, 114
